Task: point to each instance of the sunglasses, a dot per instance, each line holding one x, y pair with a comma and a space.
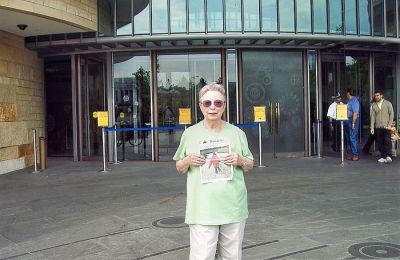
217, 103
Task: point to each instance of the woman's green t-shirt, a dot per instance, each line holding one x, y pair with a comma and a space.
215, 203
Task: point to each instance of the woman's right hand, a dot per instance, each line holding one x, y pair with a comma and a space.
195, 159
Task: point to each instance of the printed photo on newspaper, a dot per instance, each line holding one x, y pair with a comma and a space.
215, 169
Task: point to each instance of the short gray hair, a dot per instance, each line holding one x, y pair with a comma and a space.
212, 87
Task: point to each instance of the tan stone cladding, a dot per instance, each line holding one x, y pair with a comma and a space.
79, 13
21, 101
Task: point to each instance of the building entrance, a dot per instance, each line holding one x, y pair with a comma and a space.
93, 98
275, 80
341, 71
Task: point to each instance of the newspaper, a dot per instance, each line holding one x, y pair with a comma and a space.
215, 169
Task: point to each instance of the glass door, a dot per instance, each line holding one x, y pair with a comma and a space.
341, 71
93, 82
180, 76
275, 80
132, 104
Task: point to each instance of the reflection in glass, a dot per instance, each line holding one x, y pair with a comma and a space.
269, 16
141, 20
312, 83
132, 104
231, 66
275, 77
251, 15
196, 16
385, 76
215, 18
335, 16
179, 79
159, 15
391, 29
178, 16
357, 77
365, 17
351, 16
233, 10
320, 19
303, 15
93, 91
106, 18
124, 22
377, 6
286, 15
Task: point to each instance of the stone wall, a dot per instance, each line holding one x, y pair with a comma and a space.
21, 102
79, 13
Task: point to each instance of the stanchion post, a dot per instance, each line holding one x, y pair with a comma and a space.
314, 138
103, 137
260, 146
319, 138
342, 142
115, 146
34, 150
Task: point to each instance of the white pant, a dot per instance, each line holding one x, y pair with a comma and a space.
204, 240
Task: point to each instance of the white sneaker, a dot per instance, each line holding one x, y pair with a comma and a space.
382, 160
388, 159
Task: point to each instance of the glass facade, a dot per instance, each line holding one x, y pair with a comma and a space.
196, 16
351, 16
141, 17
303, 8
178, 16
377, 6
269, 16
233, 13
251, 15
364, 9
295, 85
286, 15
159, 14
123, 15
391, 29
215, 16
320, 16
335, 17
345, 17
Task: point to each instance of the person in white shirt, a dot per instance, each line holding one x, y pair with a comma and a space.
334, 130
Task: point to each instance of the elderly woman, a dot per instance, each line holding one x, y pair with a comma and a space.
216, 209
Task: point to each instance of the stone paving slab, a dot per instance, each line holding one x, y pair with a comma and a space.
300, 208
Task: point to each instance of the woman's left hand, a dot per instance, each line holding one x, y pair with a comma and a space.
233, 159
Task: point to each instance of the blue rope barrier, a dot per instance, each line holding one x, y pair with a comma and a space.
247, 125
110, 129
162, 128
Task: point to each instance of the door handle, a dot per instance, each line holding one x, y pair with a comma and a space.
278, 116
271, 130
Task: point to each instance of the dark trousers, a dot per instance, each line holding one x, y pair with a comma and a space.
336, 141
384, 142
369, 143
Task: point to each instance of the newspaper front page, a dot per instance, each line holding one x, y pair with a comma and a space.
214, 170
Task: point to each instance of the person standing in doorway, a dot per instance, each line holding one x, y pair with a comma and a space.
372, 136
216, 211
353, 124
334, 126
382, 115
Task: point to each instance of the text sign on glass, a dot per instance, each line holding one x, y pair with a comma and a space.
259, 114
102, 118
341, 112
185, 116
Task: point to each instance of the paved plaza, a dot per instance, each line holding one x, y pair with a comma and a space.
300, 208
